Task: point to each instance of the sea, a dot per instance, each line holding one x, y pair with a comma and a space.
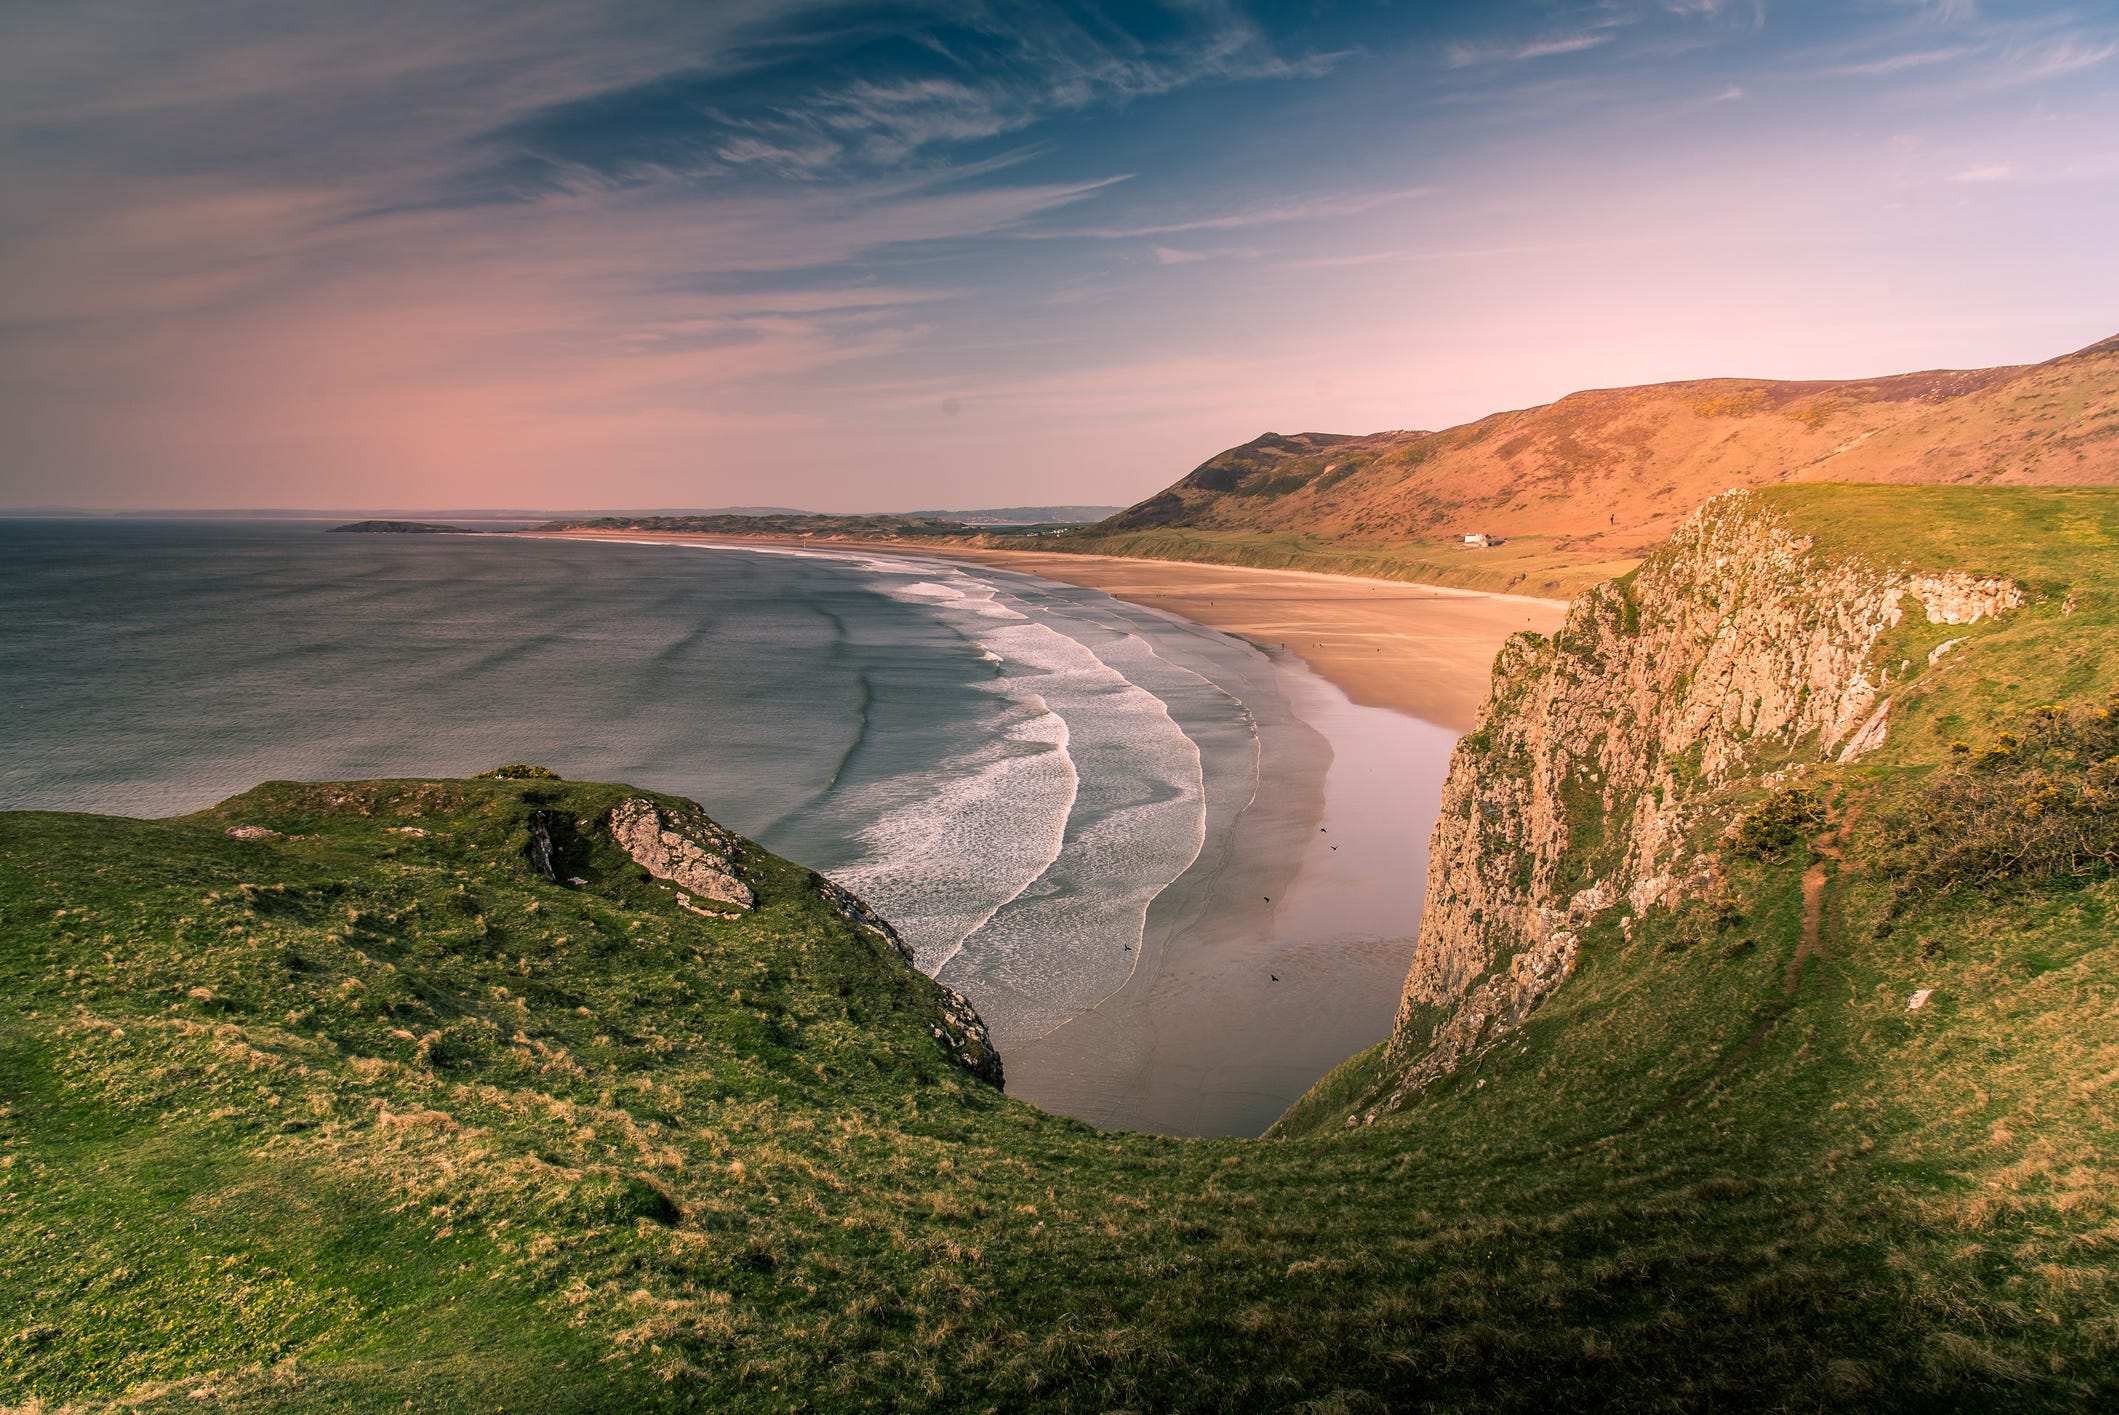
1017, 773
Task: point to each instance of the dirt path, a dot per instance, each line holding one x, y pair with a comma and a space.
1817, 883
1816, 880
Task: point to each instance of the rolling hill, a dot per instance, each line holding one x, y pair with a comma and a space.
1582, 487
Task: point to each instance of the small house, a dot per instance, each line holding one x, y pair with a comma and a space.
1481, 538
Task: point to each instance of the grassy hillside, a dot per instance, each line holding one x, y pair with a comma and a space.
1532, 565
1598, 477
368, 1112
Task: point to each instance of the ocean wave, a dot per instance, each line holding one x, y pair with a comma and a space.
1066, 938
945, 849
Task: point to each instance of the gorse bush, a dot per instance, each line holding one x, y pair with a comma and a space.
2038, 804
1785, 820
518, 771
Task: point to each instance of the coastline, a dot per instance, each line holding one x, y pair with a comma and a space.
1423, 650
1283, 951
1283, 948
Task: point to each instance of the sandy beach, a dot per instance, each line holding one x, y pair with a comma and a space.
1419, 649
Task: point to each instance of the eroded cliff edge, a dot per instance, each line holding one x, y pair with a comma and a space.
1737, 650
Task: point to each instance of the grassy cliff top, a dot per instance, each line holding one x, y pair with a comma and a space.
368, 1111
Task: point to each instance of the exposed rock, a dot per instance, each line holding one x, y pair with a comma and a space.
1870, 735
960, 1030
957, 1027
1958, 598
848, 906
684, 848
1587, 772
543, 855
251, 832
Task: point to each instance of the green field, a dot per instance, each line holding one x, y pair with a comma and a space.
1530, 565
350, 1118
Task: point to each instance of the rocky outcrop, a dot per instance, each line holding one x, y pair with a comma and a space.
959, 1029
1958, 598
848, 906
1578, 791
682, 847
542, 850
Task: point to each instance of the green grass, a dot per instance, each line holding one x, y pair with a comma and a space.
345, 1118
750, 1166
1529, 565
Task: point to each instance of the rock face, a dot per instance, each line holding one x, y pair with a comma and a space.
542, 851
689, 851
1576, 792
686, 849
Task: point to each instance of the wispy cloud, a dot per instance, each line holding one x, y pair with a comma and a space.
1898, 63
1505, 249
482, 242
1308, 209
1173, 255
861, 92
1463, 56
2063, 56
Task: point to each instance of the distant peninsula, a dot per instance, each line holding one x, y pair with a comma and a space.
403, 528
804, 525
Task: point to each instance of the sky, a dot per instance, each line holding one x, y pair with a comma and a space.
886, 256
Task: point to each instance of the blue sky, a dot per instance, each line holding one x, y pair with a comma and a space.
891, 255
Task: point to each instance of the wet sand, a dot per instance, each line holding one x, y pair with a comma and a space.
1269, 963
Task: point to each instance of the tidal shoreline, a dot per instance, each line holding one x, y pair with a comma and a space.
1425, 650
1282, 950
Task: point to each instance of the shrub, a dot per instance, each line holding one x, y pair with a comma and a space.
518, 771
2036, 805
1787, 818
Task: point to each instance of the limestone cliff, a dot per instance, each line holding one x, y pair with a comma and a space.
1734, 648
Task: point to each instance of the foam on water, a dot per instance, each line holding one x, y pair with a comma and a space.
1068, 935
1023, 868
945, 849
